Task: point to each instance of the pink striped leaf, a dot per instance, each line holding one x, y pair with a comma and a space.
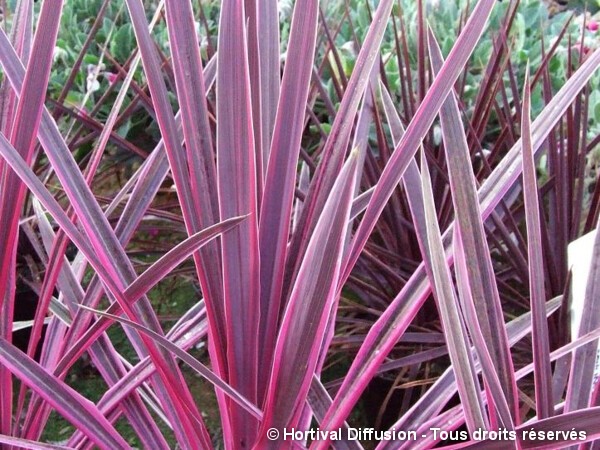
278, 195
307, 313
537, 291
33, 445
190, 361
70, 404
201, 210
419, 126
23, 131
237, 185
480, 297
337, 141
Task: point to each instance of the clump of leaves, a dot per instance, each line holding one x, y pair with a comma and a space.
358, 220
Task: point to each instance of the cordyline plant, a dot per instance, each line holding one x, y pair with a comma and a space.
344, 230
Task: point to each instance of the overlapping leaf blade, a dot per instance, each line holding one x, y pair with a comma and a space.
425, 219
337, 141
454, 327
198, 174
192, 362
27, 114
419, 126
307, 312
483, 310
101, 237
276, 204
394, 321
251, 279
67, 401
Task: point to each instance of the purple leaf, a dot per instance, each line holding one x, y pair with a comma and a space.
70, 404
337, 141
479, 293
236, 168
24, 129
190, 361
454, 328
393, 322
280, 178
537, 292
306, 315
418, 127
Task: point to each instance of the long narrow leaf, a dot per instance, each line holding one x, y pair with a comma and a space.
438, 395
482, 288
306, 315
337, 141
26, 122
187, 332
268, 48
11, 156
454, 327
176, 256
199, 202
319, 401
153, 275
425, 220
236, 168
419, 126
539, 325
190, 361
102, 352
26, 443
276, 204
